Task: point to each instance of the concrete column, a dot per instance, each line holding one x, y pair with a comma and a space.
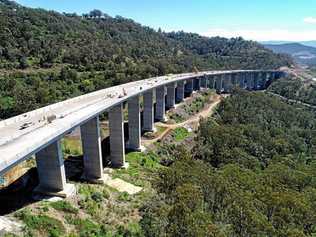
211, 82
227, 82
197, 84
189, 87
269, 79
134, 124
250, 80
263, 78
239, 78
171, 95
180, 91
160, 114
242, 76
204, 82
273, 75
234, 80
148, 113
117, 143
51, 172
218, 81
92, 155
256, 80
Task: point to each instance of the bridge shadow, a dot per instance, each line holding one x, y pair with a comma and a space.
18, 194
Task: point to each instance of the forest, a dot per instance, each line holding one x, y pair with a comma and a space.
295, 88
251, 173
46, 57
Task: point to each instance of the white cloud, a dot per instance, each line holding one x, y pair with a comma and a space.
264, 35
310, 20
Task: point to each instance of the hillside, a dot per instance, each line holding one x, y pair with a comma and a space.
46, 56
301, 53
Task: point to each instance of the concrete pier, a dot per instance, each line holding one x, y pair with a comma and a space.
250, 80
227, 83
197, 84
92, 155
211, 82
204, 82
180, 91
234, 80
171, 96
189, 86
134, 124
241, 80
51, 172
256, 77
263, 79
117, 143
148, 113
160, 114
218, 83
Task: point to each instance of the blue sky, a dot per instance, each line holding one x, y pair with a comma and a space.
252, 19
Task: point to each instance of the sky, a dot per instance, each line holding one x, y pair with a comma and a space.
261, 20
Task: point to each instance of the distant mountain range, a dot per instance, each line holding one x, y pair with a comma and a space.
311, 43
303, 52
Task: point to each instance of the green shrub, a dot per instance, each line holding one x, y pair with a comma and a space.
41, 223
179, 134
97, 197
124, 197
64, 206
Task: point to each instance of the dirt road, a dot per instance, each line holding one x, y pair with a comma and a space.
195, 119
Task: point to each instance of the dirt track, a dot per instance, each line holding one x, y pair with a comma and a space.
195, 119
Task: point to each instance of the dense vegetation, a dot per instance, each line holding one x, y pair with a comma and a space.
251, 173
46, 56
296, 89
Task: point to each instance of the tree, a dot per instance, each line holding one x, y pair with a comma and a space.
96, 13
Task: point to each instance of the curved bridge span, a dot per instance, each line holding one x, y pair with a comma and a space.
39, 132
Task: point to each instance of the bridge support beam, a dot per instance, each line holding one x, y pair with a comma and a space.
134, 124
211, 82
171, 95
227, 82
204, 82
256, 76
180, 91
51, 172
148, 113
92, 155
234, 80
189, 87
197, 84
263, 79
250, 80
117, 143
241, 80
218, 83
160, 113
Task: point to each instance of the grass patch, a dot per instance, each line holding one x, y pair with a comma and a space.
140, 172
45, 225
179, 134
124, 197
86, 228
64, 206
72, 146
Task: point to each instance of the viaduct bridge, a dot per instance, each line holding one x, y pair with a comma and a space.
39, 132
